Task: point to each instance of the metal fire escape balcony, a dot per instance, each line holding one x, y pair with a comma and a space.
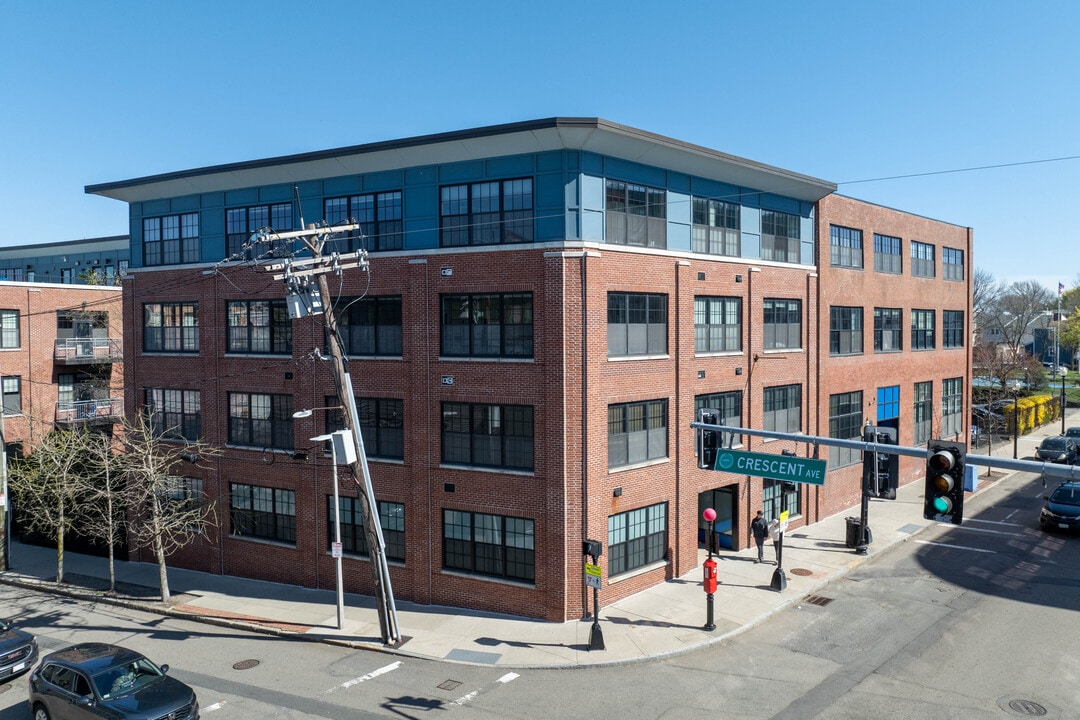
85, 351
99, 411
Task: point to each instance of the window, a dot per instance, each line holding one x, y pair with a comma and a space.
382, 425
717, 324
242, 223
923, 411
353, 539
888, 403
782, 408
259, 326
186, 496
845, 331
637, 432
845, 423
783, 324
635, 215
888, 331
168, 240
779, 236
637, 324
637, 538
487, 213
174, 414
488, 435
729, 405
11, 388
379, 215
487, 325
845, 247
260, 420
9, 329
778, 496
952, 328
494, 545
922, 329
887, 257
372, 326
716, 227
262, 512
171, 327
952, 403
952, 264
922, 260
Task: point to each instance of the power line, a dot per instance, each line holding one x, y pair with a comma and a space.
960, 170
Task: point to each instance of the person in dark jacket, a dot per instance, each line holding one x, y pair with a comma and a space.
759, 530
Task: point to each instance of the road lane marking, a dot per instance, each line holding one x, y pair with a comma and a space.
215, 706
980, 530
994, 522
373, 674
958, 547
472, 696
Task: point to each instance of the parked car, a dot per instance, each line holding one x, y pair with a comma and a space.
1073, 432
109, 681
1061, 511
18, 650
1057, 449
1055, 370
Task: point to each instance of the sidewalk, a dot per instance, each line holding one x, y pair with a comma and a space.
662, 621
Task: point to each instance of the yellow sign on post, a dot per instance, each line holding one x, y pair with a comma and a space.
592, 575
784, 516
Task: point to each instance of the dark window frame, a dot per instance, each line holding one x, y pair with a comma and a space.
255, 518
379, 214
952, 264
275, 421
11, 397
371, 326
782, 408
637, 324
729, 404
644, 419
952, 328
174, 413
382, 425
470, 214
489, 545
243, 222
782, 318
888, 330
468, 435
10, 330
845, 423
716, 227
781, 236
923, 411
634, 214
922, 260
166, 327
244, 331
922, 329
170, 239
845, 330
845, 247
353, 536
723, 336
637, 538
887, 255
486, 325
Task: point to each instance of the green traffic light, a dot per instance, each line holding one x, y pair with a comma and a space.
942, 504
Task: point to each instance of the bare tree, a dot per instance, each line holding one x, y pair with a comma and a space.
1016, 310
168, 511
49, 486
105, 509
985, 293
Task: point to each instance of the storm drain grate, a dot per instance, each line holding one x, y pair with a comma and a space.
245, 664
819, 600
449, 685
1027, 707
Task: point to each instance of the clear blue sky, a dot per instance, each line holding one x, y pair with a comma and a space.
846, 91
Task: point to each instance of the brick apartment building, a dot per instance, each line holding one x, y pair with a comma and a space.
548, 305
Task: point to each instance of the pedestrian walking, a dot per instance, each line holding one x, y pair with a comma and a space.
776, 532
759, 530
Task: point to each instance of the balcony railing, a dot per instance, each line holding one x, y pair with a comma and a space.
93, 412
80, 351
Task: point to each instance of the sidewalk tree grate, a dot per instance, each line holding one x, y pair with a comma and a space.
245, 664
449, 685
818, 600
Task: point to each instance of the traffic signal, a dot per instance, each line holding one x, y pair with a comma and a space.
707, 440
944, 491
887, 479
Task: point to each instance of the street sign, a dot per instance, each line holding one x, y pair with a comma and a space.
335, 549
592, 575
775, 467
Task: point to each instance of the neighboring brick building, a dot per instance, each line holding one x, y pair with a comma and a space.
548, 305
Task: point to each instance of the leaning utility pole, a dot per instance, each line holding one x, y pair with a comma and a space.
303, 300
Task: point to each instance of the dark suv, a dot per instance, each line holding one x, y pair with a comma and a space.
1061, 511
1058, 449
108, 681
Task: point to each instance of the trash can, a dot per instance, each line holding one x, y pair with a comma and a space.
852, 537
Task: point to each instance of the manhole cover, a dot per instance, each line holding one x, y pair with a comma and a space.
449, 685
245, 664
1027, 707
801, 571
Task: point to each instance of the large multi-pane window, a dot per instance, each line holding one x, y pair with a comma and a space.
778, 496
717, 324
782, 408
498, 436
845, 330
729, 407
486, 213
379, 216
922, 330
9, 329
887, 257
259, 326
635, 215
952, 328
494, 545
353, 538
186, 497
923, 411
780, 235
783, 324
637, 432
845, 247
490, 325
171, 327
170, 240
262, 512
922, 260
888, 403
174, 414
382, 425
952, 404
637, 538
637, 324
371, 326
261, 420
888, 330
845, 423
11, 389
716, 227
952, 264
242, 223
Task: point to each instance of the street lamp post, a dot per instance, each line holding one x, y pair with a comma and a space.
1016, 416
